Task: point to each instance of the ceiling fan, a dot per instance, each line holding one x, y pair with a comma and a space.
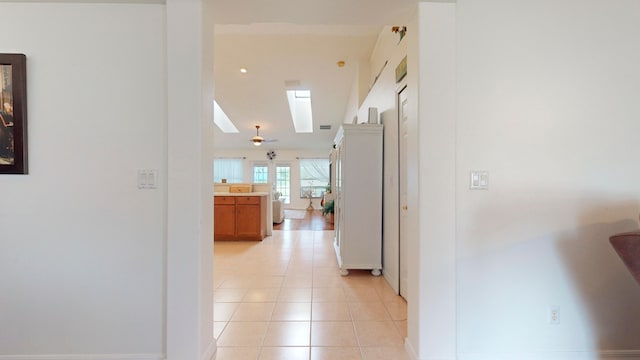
258, 140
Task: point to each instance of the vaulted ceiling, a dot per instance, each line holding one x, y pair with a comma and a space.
282, 41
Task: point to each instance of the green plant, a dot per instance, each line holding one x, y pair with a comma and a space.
327, 208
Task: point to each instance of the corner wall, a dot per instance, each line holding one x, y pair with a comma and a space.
432, 268
190, 165
81, 248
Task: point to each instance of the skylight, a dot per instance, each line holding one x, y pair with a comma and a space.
222, 120
300, 106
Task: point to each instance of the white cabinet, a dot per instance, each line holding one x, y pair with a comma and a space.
358, 197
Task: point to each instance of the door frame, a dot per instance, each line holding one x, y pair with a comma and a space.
391, 193
403, 209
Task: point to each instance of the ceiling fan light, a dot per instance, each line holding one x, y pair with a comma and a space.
257, 143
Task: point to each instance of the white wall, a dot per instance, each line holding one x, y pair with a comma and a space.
382, 94
205, 128
282, 157
81, 250
359, 91
351, 111
431, 272
547, 103
380, 59
190, 194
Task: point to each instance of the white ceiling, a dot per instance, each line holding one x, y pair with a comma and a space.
285, 40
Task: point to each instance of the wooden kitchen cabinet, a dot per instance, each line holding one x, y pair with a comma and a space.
238, 218
224, 217
248, 222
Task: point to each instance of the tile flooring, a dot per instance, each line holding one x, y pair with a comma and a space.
283, 298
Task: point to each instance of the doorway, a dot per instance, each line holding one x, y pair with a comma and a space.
396, 210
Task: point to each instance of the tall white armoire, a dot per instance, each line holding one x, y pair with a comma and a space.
358, 197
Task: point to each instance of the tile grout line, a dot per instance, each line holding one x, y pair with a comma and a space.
299, 254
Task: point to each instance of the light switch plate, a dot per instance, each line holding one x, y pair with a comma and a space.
147, 179
479, 180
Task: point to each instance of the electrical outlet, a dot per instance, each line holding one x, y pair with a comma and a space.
554, 315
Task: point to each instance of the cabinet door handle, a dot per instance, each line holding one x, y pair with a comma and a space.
405, 207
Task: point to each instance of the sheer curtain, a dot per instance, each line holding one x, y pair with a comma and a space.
314, 176
227, 168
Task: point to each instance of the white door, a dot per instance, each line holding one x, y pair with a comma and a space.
403, 130
391, 200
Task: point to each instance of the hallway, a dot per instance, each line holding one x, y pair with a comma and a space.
283, 298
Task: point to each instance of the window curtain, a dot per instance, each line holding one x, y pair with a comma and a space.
230, 169
316, 170
314, 176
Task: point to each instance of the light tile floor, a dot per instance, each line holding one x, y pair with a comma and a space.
283, 298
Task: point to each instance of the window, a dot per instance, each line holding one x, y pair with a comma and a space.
222, 120
283, 182
230, 169
260, 173
314, 177
300, 107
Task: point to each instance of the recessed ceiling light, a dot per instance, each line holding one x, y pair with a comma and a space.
243, 70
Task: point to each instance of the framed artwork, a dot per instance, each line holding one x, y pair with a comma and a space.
13, 114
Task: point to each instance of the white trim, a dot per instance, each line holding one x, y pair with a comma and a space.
409, 348
432, 307
557, 355
85, 357
210, 353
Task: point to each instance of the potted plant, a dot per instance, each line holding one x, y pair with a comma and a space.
328, 210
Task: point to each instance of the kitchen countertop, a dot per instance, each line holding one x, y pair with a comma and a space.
257, 193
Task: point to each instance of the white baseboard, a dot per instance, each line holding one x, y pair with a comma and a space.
549, 355
414, 356
558, 355
410, 350
85, 357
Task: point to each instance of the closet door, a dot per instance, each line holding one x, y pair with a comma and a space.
402, 182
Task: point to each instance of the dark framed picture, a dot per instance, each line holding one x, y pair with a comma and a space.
13, 114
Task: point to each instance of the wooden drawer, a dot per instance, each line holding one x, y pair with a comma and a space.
240, 188
224, 200
248, 200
